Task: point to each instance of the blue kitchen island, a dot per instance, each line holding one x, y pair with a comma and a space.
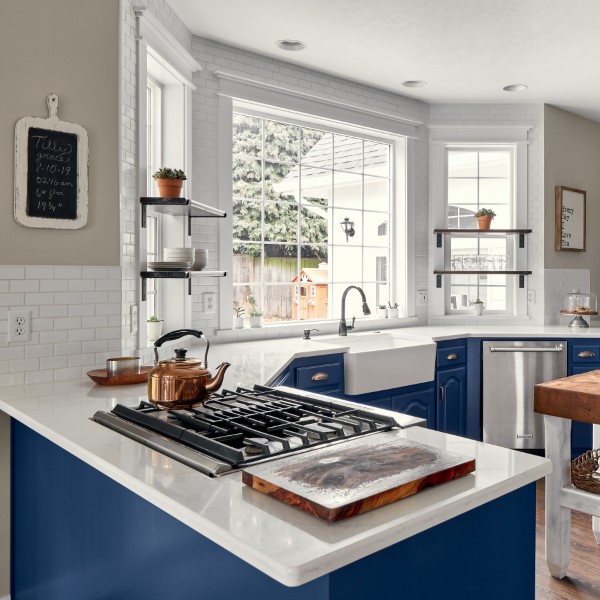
97, 515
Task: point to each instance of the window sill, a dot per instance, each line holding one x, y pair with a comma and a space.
297, 329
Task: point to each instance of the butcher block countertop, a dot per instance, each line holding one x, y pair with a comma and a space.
576, 397
285, 543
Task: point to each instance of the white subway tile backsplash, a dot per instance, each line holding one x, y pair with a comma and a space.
25, 364
53, 310
11, 273
53, 337
54, 362
67, 272
24, 285
54, 285
39, 376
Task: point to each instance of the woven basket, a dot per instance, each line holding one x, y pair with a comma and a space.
584, 473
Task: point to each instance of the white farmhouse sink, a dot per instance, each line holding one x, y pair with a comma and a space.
382, 361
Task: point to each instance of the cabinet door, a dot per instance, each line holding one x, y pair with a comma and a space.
417, 404
452, 400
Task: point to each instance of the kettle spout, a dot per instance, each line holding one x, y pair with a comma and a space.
214, 383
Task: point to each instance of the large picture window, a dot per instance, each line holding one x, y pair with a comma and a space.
311, 215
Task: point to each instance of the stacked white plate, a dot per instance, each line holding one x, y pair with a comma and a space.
179, 254
169, 265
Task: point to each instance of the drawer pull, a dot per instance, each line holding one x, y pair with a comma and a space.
586, 354
451, 356
320, 376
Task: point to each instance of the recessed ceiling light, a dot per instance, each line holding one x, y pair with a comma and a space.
515, 87
414, 83
291, 45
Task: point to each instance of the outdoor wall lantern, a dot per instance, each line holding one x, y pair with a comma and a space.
348, 227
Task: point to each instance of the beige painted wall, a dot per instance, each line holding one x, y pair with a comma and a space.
572, 159
71, 48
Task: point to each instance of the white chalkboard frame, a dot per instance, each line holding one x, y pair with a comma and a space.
52, 123
570, 219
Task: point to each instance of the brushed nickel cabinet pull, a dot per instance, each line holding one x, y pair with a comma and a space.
451, 356
586, 354
320, 376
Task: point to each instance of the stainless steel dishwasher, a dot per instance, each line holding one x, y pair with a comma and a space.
510, 370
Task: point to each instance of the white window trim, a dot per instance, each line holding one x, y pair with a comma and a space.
153, 38
441, 136
402, 251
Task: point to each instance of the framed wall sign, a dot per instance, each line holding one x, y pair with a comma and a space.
570, 219
51, 171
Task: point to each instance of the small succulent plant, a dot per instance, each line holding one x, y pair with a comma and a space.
485, 212
167, 173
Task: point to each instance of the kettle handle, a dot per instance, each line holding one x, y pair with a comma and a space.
175, 335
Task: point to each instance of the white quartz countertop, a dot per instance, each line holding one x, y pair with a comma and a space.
281, 541
260, 361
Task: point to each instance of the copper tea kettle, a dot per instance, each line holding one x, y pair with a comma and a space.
181, 382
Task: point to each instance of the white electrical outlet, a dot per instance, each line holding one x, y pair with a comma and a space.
530, 296
421, 297
133, 311
19, 325
209, 300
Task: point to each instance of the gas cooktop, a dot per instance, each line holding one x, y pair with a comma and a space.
237, 428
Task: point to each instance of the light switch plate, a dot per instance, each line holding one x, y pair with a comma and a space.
133, 311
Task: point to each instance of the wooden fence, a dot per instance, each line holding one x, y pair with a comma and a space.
277, 303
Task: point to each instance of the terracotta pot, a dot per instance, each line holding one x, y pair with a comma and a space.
169, 188
484, 222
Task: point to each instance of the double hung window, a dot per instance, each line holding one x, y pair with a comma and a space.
480, 177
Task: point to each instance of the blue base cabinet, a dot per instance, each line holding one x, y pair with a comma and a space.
451, 387
78, 535
417, 403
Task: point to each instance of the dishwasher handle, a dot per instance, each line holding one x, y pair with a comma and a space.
559, 348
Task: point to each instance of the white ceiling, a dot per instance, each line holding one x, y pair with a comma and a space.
466, 50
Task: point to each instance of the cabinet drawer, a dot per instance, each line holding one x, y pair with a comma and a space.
451, 356
588, 353
318, 376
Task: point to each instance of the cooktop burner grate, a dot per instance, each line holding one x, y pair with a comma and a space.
246, 426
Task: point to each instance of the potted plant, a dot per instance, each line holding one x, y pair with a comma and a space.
484, 217
238, 320
381, 311
153, 328
393, 310
477, 307
169, 182
255, 317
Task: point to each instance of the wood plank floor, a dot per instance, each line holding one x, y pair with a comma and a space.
583, 578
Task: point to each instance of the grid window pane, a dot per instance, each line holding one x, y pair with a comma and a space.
297, 190
479, 179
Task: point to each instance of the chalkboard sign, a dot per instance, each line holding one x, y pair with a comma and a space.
51, 174
51, 159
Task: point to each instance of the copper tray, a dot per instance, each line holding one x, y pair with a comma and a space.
100, 377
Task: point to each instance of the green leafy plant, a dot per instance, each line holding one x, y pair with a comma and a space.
477, 301
154, 319
485, 212
238, 310
167, 173
381, 307
254, 310
395, 305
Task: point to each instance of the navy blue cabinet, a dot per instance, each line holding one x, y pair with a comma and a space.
584, 356
451, 387
418, 403
320, 374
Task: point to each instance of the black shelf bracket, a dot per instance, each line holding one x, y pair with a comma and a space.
438, 281
439, 242
521, 281
521, 240
143, 216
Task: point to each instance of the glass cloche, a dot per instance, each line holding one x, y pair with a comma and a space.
580, 303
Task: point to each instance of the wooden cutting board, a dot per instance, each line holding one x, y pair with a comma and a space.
349, 478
